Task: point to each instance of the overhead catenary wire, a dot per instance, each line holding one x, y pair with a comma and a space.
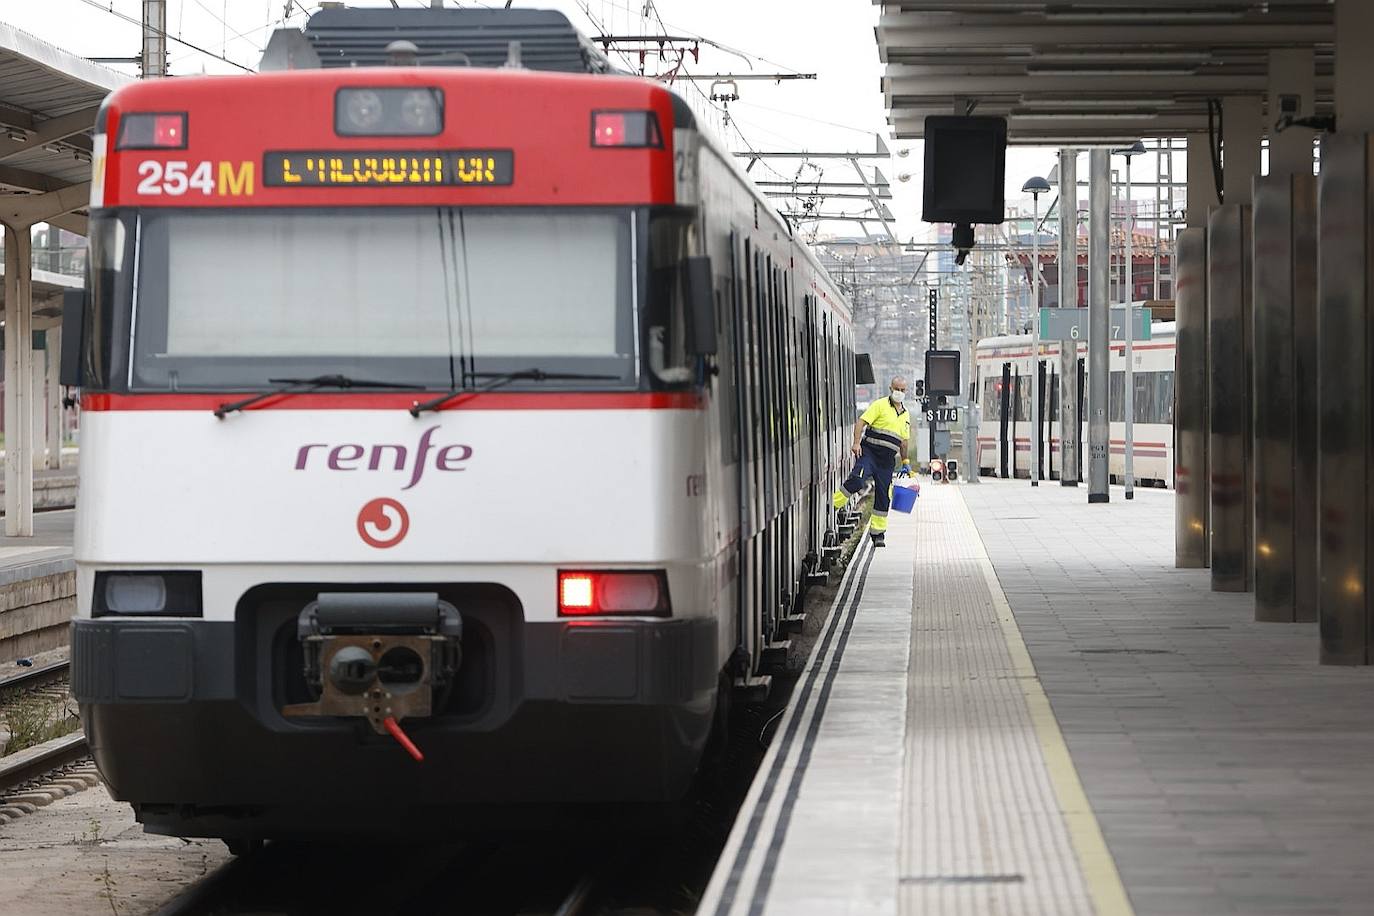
181, 41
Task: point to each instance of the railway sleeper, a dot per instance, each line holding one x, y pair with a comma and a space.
754, 688
773, 658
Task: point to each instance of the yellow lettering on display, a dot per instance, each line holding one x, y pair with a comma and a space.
236, 182
372, 170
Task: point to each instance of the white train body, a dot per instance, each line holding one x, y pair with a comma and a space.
574, 568
1004, 436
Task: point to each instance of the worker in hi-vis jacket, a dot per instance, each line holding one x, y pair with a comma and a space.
881, 437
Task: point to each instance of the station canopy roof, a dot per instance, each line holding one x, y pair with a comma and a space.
1071, 72
48, 102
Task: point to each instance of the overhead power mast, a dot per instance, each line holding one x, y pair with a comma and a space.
154, 56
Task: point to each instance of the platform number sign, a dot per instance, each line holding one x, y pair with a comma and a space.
942, 414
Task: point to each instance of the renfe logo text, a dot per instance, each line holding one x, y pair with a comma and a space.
354, 457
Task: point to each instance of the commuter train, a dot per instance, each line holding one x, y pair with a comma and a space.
479, 416
1004, 392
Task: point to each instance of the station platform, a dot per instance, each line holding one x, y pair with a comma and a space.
37, 587
1021, 707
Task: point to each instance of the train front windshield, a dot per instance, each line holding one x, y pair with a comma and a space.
232, 298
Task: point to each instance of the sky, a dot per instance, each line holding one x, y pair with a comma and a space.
842, 110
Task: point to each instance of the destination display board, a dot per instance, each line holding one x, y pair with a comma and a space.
388, 168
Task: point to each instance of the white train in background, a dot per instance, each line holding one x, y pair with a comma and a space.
1003, 380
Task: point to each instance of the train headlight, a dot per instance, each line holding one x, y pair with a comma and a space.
389, 112
167, 594
590, 593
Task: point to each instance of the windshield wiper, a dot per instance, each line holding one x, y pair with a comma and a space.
303, 385
505, 378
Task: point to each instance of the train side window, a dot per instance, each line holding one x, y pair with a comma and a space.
669, 246
1143, 407
992, 399
761, 352
727, 385
1164, 397
747, 355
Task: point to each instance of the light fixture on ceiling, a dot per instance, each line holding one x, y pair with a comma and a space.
1083, 115
1110, 70
1133, 101
1135, 57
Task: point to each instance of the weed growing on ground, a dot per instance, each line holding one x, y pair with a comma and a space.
33, 719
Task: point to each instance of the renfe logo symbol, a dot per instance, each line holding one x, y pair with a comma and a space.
383, 523
349, 457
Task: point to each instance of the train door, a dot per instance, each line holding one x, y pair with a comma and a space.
1081, 414
813, 417
1052, 417
763, 289
1041, 435
1004, 409
1018, 394
746, 346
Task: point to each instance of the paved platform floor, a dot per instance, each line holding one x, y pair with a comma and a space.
1230, 773
1082, 729
49, 551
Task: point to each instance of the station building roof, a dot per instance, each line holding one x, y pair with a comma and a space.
1075, 72
48, 102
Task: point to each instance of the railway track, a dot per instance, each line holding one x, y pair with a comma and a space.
385, 880
31, 679
51, 768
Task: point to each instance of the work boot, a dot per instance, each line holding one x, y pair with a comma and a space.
879, 539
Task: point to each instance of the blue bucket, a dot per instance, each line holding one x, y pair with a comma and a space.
903, 499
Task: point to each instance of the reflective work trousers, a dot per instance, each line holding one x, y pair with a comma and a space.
877, 464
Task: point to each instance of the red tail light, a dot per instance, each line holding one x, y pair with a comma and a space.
626, 129
150, 130
582, 594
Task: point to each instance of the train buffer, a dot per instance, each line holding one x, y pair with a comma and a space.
1020, 707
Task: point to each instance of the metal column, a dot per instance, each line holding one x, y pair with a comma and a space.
53, 352
1069, 420
1192, 425
154, 57
1229, 358
1344, 363
1231, 366
1191, 516
1037, 374
18, 382
1099, 321
1345, 346
1285, 289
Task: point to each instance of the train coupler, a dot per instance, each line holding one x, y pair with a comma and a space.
377, 655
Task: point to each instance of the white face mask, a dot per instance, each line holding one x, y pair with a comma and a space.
898, 396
